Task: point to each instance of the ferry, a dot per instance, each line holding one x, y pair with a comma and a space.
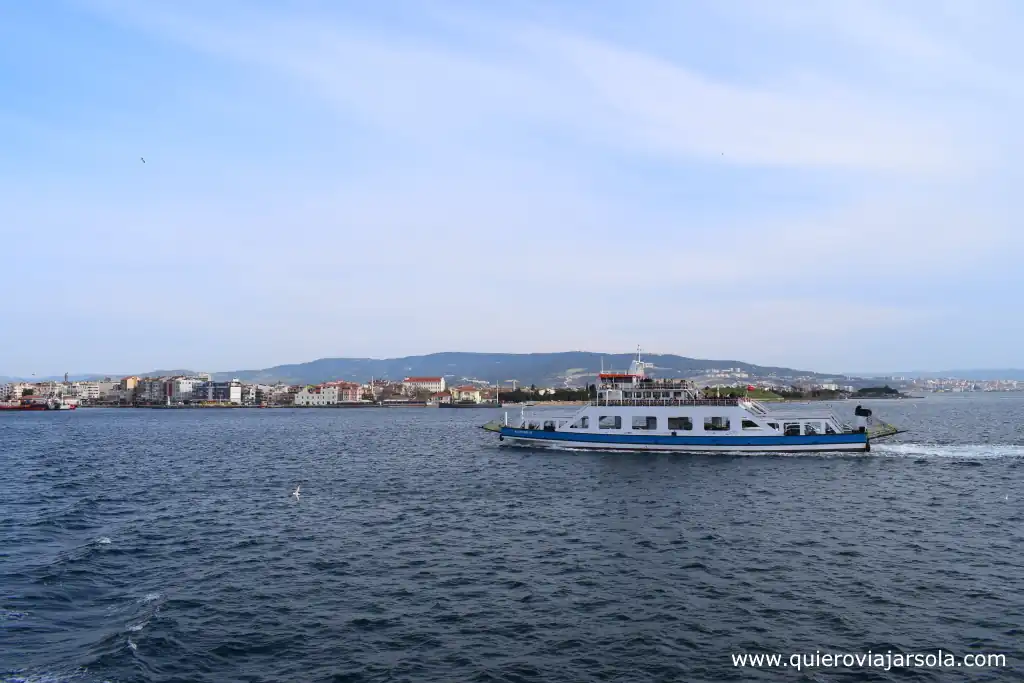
634, 412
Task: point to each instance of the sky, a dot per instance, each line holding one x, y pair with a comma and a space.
822, 184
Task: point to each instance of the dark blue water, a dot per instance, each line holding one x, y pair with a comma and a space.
141, 545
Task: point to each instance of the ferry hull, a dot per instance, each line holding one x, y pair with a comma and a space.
857, 442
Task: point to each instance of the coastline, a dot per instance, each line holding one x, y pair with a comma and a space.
532, 404
230, 406
540, 404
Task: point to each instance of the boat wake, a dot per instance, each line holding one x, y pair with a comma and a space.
965, 451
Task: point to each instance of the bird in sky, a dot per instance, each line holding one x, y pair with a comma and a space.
143, 160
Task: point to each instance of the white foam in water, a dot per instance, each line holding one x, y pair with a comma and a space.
103, 540
132, 645
137, 627
965, 451
150, 597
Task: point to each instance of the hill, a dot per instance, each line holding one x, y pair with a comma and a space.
570, 368
544, 369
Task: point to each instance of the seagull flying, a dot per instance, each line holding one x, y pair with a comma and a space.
296, 491
143, 160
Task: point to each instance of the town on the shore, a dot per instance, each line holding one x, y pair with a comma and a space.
201, 390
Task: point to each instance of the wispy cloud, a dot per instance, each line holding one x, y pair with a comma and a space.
689, 168
672, 111
611, 96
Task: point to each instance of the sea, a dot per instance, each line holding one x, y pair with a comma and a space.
165, 545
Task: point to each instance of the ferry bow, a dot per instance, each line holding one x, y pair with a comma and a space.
633, 412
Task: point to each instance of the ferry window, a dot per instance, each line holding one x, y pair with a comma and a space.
791, 428
750, 424
645, 422
716, 424
828, 429
773, 425
812, 428
683, 424
582, 423
610, 422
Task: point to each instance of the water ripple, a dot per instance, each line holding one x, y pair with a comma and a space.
164, 546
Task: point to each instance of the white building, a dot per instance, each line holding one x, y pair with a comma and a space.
317, 396
431, 384
183, 388
329, 394
86, 391
218, 392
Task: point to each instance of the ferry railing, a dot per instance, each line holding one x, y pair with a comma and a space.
755, 407
646, 386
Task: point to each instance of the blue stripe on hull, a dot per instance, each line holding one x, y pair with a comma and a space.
823, 440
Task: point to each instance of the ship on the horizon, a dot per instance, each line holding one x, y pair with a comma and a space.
31, 403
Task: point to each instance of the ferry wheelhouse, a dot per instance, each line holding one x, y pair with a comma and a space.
633, 412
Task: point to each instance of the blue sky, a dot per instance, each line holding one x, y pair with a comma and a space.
822, 184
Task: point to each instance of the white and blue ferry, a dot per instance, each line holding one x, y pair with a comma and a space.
633, 412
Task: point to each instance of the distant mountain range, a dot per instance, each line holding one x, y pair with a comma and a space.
572, 368
544, 369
